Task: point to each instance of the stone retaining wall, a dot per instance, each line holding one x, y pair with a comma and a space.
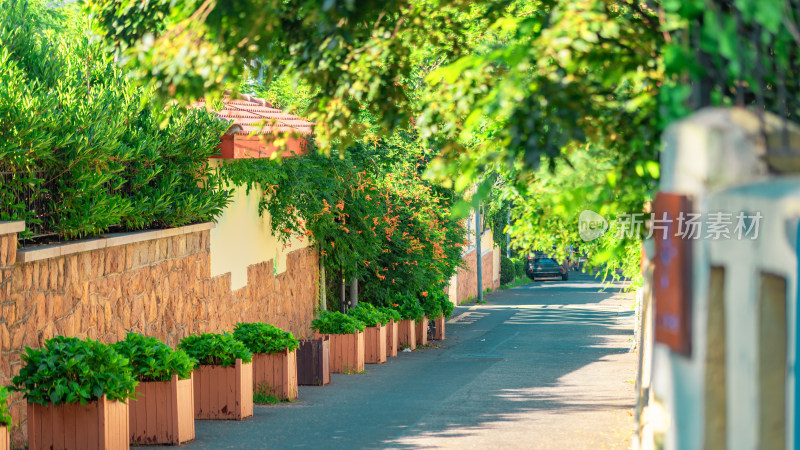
159, 287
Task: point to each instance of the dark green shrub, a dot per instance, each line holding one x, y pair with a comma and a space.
409, 308
519, 267
445, 304
370, 315
5, 414
214, 349
264, 338
507, 274
429, 300
153, 360
391, 313
334, 322
70, 370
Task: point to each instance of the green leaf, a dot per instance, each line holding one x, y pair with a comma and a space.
215, 349
152, 360
334, 322
264, 338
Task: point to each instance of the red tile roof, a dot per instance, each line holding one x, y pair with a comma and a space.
251, 115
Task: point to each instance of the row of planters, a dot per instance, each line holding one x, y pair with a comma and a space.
369, 334
78, 391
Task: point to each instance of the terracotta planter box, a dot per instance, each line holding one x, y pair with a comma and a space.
223, 392
313, 362
406, 334
347, 352
392, 341
278, 371
375, 345
101, 424
422, 331
163, 412
439, 326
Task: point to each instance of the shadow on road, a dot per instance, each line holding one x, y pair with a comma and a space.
543, 365
561, 374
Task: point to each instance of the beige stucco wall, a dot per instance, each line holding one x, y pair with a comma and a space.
452, 289
242, 238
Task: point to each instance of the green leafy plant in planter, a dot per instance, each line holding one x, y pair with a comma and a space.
5, 414
370, 315
430, 304
445, 304
334, 322
153, 360
391, 313
214, 349
409, 308
264, 338
71, 370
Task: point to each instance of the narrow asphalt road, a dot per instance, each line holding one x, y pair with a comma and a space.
543, 365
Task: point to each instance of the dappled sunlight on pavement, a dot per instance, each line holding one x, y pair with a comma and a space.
562, 378
538, 366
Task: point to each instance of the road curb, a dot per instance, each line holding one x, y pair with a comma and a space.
457, 318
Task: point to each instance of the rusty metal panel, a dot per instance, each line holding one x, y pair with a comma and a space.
672, 277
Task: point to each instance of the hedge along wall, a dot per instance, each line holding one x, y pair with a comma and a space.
157, 283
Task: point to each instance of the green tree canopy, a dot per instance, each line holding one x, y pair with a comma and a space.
521, 89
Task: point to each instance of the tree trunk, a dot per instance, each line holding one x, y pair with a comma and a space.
323, 287
478, 256
343, 306
508, 235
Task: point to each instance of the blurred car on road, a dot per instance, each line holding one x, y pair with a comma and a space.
545, 268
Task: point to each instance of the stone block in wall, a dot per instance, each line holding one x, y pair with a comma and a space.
98, 263
131, 253
11, 254
84, 266
5, 283
114, 260
4, 259
5, 338
8, 249
9, 312
22, 278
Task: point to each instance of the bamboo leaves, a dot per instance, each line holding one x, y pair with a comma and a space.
83, 149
